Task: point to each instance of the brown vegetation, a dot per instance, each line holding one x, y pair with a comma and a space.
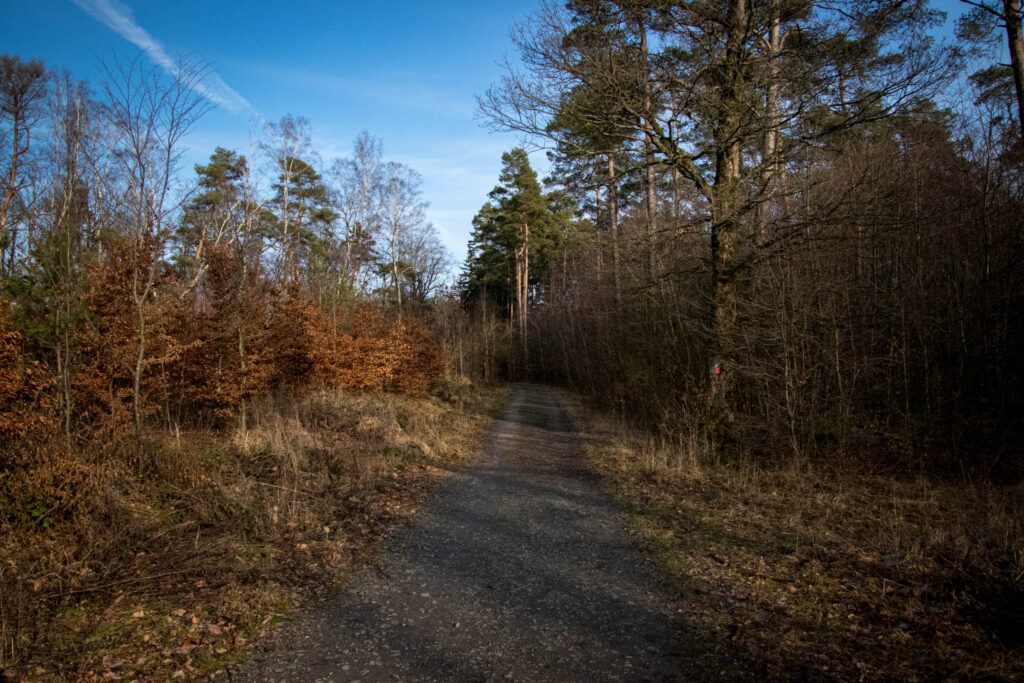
22, 385
175, 559
808, 571
184, 448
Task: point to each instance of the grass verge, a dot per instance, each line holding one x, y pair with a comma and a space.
168, 561
818, 570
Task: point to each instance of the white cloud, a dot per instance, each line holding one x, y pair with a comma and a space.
119, 18
405, 91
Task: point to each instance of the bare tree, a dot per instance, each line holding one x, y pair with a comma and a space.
151, 114
72, 114
403, 207
357, 182
22, 100
425, 261
367, 157
288, 148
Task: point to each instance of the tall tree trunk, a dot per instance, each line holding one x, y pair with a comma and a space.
652, 198
394, 269
10, 189
1015, 37
242, 367
613, 220
675, 195
726, 221
137, 370
523, 290
772, 133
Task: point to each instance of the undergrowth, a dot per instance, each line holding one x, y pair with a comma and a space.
170, 559
819, 569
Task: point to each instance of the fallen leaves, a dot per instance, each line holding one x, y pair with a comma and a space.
169, 600
787, 573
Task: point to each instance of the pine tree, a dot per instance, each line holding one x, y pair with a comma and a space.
514, 238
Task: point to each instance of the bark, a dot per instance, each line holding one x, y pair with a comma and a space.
725, 220
244, 378
675, 194
1015, 38
652, 199
11, 186
394, 267
613, 219
772, 132
522, 290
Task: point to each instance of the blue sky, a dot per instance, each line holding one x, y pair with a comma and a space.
407, 72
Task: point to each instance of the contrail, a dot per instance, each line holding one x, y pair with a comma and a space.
120, 19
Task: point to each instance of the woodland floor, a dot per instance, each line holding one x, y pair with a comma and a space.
176, 558
566, 549
822, 568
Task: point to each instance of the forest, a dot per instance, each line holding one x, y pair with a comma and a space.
776, 236
761, 226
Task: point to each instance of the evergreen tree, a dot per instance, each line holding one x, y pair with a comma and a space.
980, 27
515, 237
215, 211
304, 213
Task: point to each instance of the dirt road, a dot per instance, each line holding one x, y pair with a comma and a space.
518, 570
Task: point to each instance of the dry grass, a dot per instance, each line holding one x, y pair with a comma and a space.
171, 560
817, 570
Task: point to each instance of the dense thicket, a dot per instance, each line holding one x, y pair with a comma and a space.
792, 246
138, 296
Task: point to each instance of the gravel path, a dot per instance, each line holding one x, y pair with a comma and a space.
520, 569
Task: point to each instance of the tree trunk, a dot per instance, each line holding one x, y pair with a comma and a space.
652, 199
772, 132
1015, 37
394, 269
725, 223
675, 195
137, 371
523, 272
244, 379
613, 219
10, 190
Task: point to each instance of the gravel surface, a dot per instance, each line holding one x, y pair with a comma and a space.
519, 569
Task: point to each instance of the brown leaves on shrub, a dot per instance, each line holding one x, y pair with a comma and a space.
22, 385
208, 350
126, 317
225, 329
399, 355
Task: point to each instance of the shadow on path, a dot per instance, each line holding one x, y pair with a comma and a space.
519, 570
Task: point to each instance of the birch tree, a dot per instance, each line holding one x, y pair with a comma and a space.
357, 181
402, 213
